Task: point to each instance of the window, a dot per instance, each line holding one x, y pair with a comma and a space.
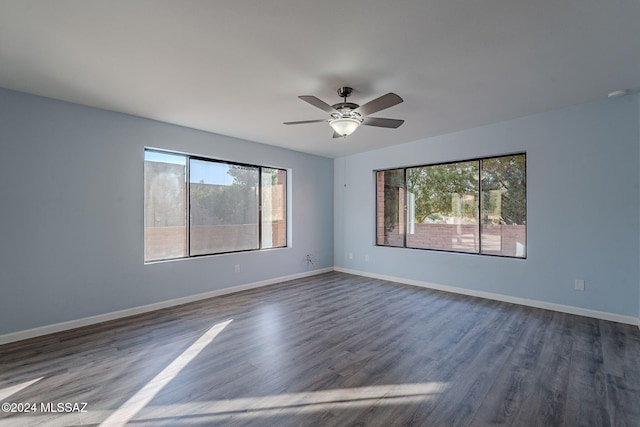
504, 206
475, 206
224, 207
445, 198
196, 206
165, 204
391, 210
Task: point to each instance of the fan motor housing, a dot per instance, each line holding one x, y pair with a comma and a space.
345, 106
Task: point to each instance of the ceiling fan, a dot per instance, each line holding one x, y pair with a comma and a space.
346, 117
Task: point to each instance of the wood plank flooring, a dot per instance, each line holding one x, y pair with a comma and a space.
332, 350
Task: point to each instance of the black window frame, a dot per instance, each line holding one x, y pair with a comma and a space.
478, 207
188, 158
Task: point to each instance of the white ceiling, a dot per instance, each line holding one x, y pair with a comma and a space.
236, 67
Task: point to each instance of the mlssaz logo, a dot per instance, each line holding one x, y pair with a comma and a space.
64, 407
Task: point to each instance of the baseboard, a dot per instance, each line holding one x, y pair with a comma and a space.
630, 320
86, 321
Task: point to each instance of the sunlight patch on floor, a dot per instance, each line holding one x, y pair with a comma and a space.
139, 400
298, 403
11, 390
244, 408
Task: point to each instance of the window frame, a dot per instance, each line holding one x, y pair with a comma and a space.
188, 157
478, 208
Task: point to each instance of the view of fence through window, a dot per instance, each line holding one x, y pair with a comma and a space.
475, 206
165, 206
195, 206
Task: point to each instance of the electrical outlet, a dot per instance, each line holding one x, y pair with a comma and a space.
366, 258
579, 285
350, 255
237, 268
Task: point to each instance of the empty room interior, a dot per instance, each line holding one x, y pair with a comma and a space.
332, 213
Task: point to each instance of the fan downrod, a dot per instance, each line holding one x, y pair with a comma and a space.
345, 92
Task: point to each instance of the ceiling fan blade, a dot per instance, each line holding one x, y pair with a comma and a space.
305, 121
379, 104
316, 102
382, 123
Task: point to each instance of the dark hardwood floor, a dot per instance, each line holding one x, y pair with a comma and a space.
331, 350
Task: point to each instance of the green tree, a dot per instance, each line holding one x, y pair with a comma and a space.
506, 176
437, 189
244, 175
228, 204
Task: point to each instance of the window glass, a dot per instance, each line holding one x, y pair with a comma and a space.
224, 207
274, 208
504, 206
165, 228
390, 207
443, 207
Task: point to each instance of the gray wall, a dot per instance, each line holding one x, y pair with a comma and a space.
583, 209
71, 225
71, 216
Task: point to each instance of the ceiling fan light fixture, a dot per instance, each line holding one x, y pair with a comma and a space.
346, 117
344, 126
